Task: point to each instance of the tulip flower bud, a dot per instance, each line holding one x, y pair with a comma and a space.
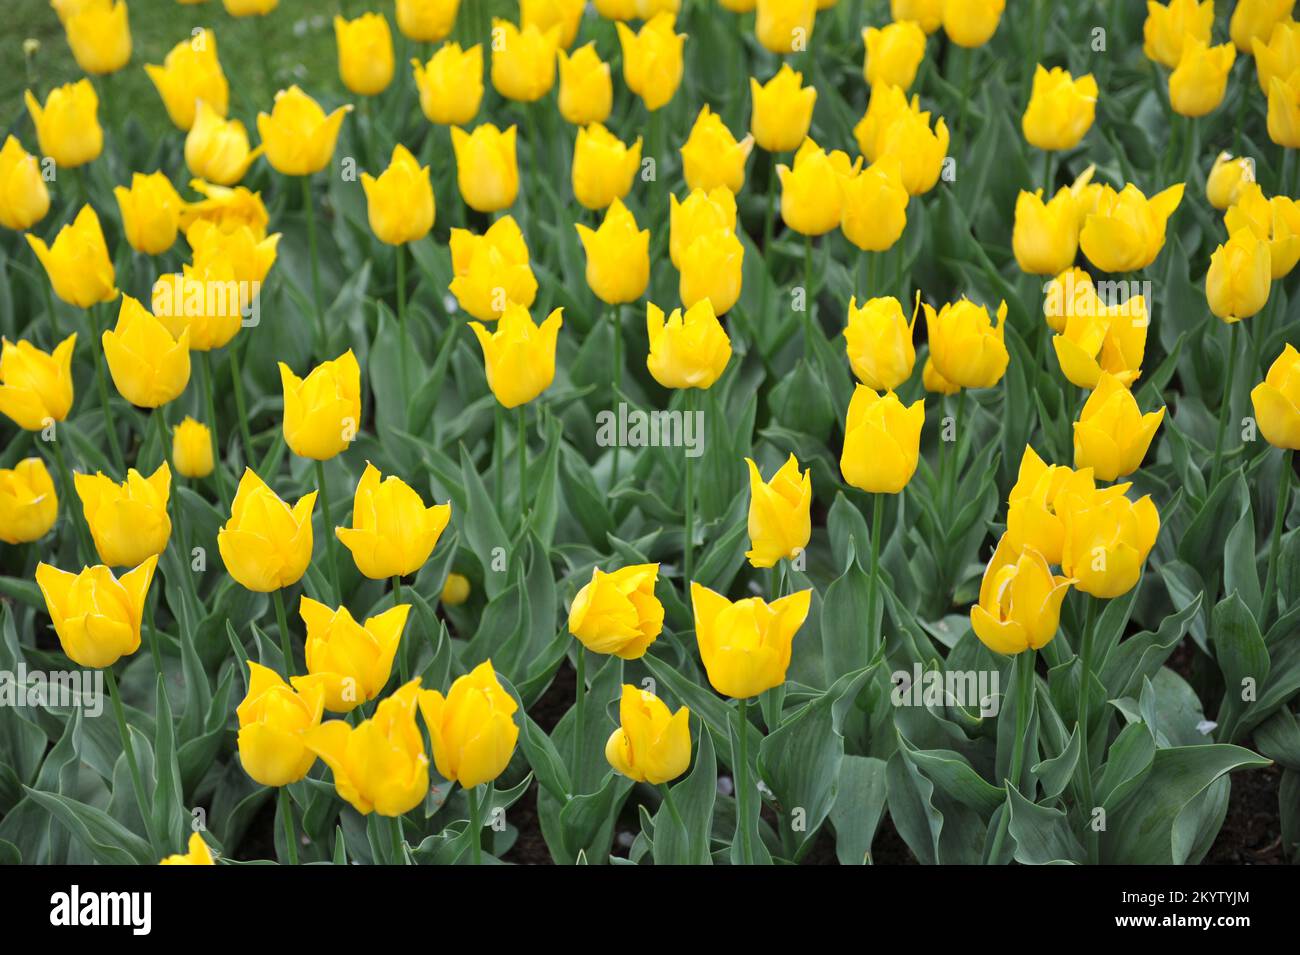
686, 351
353, 661
1171, 25
882, 441
100, 36
603, 168
1107, 540
198, 853
523, 60
1240, 277
322, 412
299, 138
1061, 109
746, 645
782, 110
1070, 293
226, 208
491, 270
1127, 230
1037, 504
77, 263
586, 89
266, 545
1284, 111
97, 616
967, 348
702, 213
618, 256
236, 249
651, 744
66, 9
519, 357
971, 23
400, 202
1197, 85
426, 21
1275, 221
545, 14
128, 521
878, 341
1276, 400
217, 149
24, 198
36, 386
204, 300
472, 729
1254, 20
712, 157
192, 449
892, 126
1045, 237
149, 366
392, 532
486, 169
1226, 179
29, 504
1112, 434
365, 53
451, 84
713, 270
455, 591
616, 9
874, 212
812, 191
150, 212
935, 382
618, 613
784, 26
67, 126
652, 59
1278, 55
780, 521
894, 53
191, 73
274, 722
1098, 339
1020, 601
927, 13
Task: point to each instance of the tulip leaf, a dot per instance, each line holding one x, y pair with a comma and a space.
859, 806
694, 796
108, 841
1243, 658
1042, 834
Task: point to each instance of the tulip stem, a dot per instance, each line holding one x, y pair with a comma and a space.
1024, 669
153, 635
1085, 685
475, 825
282, 621
290, 833
743, 786
688, 517
1225, 407
809, 297
875, 634
522, 443
329, 530
579, 715
1048, 174
102, 381
616, 382
769, 230
498, 460
84, 548
310, 212
672, 808
401, 320
395, 826
157, 419
403, 661
129, 750
237, 381
208, 386
1279, 526
52, 313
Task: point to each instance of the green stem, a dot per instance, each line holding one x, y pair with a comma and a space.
579, 716
1225, 407
672, 807
498, 459
84, 547
209, 379
310, 211
1047, 174
808, 317
522, 448
1279, 526
769, 230
102, 381
290, 835
154, 652
1024, 666
128, 748
616, 380
743, 787
875, 634
401, 318
395, 827
158, 420
403, 662
53, 314
1085, 682
237, 382
282, 621
330, 562
475, 825
688, 517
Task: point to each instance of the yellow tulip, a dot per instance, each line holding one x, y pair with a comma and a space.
128, 521
426, 21
491, 270
77, 263
192, 449
353, 661
66, 9
299, 138
1170, 26
150, 212
472, 729
198, 854
618, 613
618, 256
688, 350
275, 720
780, 521
648, 9
1275, 221
100, 36
651, 744
400, 202
191, 73
322, 412
1061, 109
1045, 236
451, 84
874, 212
712, 157
738, 6
893, 126
1254, 20
1284, 111
1197, 85
1127, 230
971, 23
250, 8
29, 505
1276, 400
149, 366
934, 382
1240, 276
204, 299
586, 90
652, 60
927, 13
455, 591
812, 189
603, 168
97, 616
782, 110
784, 26
1020, 601
67, 126
217, 149
746, 645
702, 213
519, 357
616, 9
1070, 293
1107, 540
1227, 179
486, 169
713, 270
392, 532
226, 208
24, 199
1038, 502
882, 441
523, 60
545, 14
968, 349
1279, 57
266, 545
878, 341
365, 53
1101, 339
246, 255
894, 53
36, 386
1112, 435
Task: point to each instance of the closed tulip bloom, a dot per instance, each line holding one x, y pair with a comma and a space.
1197, 85
1107, 540
737, 6
647, 9
149, 366
1112, 435
66, 9
36, 386
100, 36
1127, 230
780, 521
472, 729
77, 263
651, 744
746, 645
299, 138
878, 340
1276, 400
603, 168
227, 208
702, 213
192, 449
491, 270
545, 14
652, 60
874, 213
712, 157
450, 84
426, 21
1284, 111
248, 256
29, 504
688, 350
1070, 293
150, 212
128, 521
352, 660
97, 616
812, 190
203, 300
1226, 179
1279, 57
1061, 109
935, 382
274, 722
892, 126
713, 270
782, 110
392, 532
191, 73
266, 545
400, 202
1045, 237
1275, 221
1169, 26
365, 48
486, 169
586, 89
1101, 339
217, 149
894, 53
882, 441
784, 26
618, 256
519, 357
927, 13
455, 591
523, 60
322, 412
24, 198
250, 8
971, 23
968, 348
1240, 276
1254, 20
618, 613
616, 9
67, 126
198, 854
1037, 504
1020, 601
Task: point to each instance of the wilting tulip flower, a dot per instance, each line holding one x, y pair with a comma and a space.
198, 854
491, 270
784, 26
426, 21
1112, 434
192, 449
1253, 21
77, 263
1197, 85
322, 412
1276, 400
1275, 221
450, 84
486, 169
266, 545
782, 110
1279, 57
1240, 276
1099, 339
927, 13
1226, 179
472, 729
812, 189
586, 89
893, 126
688, 350
226, 208
603, 167
712, 157
149, 366
1107, 540
519, 357
618, 613
97, 616
353, 661
400, 202
1045, 237
455, 591
878, 340
1171, 25
392, 532
545, 14
713, 270
934, 382
24, 199
967, 347
971, 23
1038, 502
1061, 109
250, 8
36, 386
297, 135
1127, 230
780, 521
874, 212
701, 214
67, 126
191, 73
894, 53
29, 504
100, 36
128, 521
746, 645
651, 745
523, 60
365, 53
150, 212
618, 256
1020, 601
652, 60
217, 149
274, 721
882, 441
